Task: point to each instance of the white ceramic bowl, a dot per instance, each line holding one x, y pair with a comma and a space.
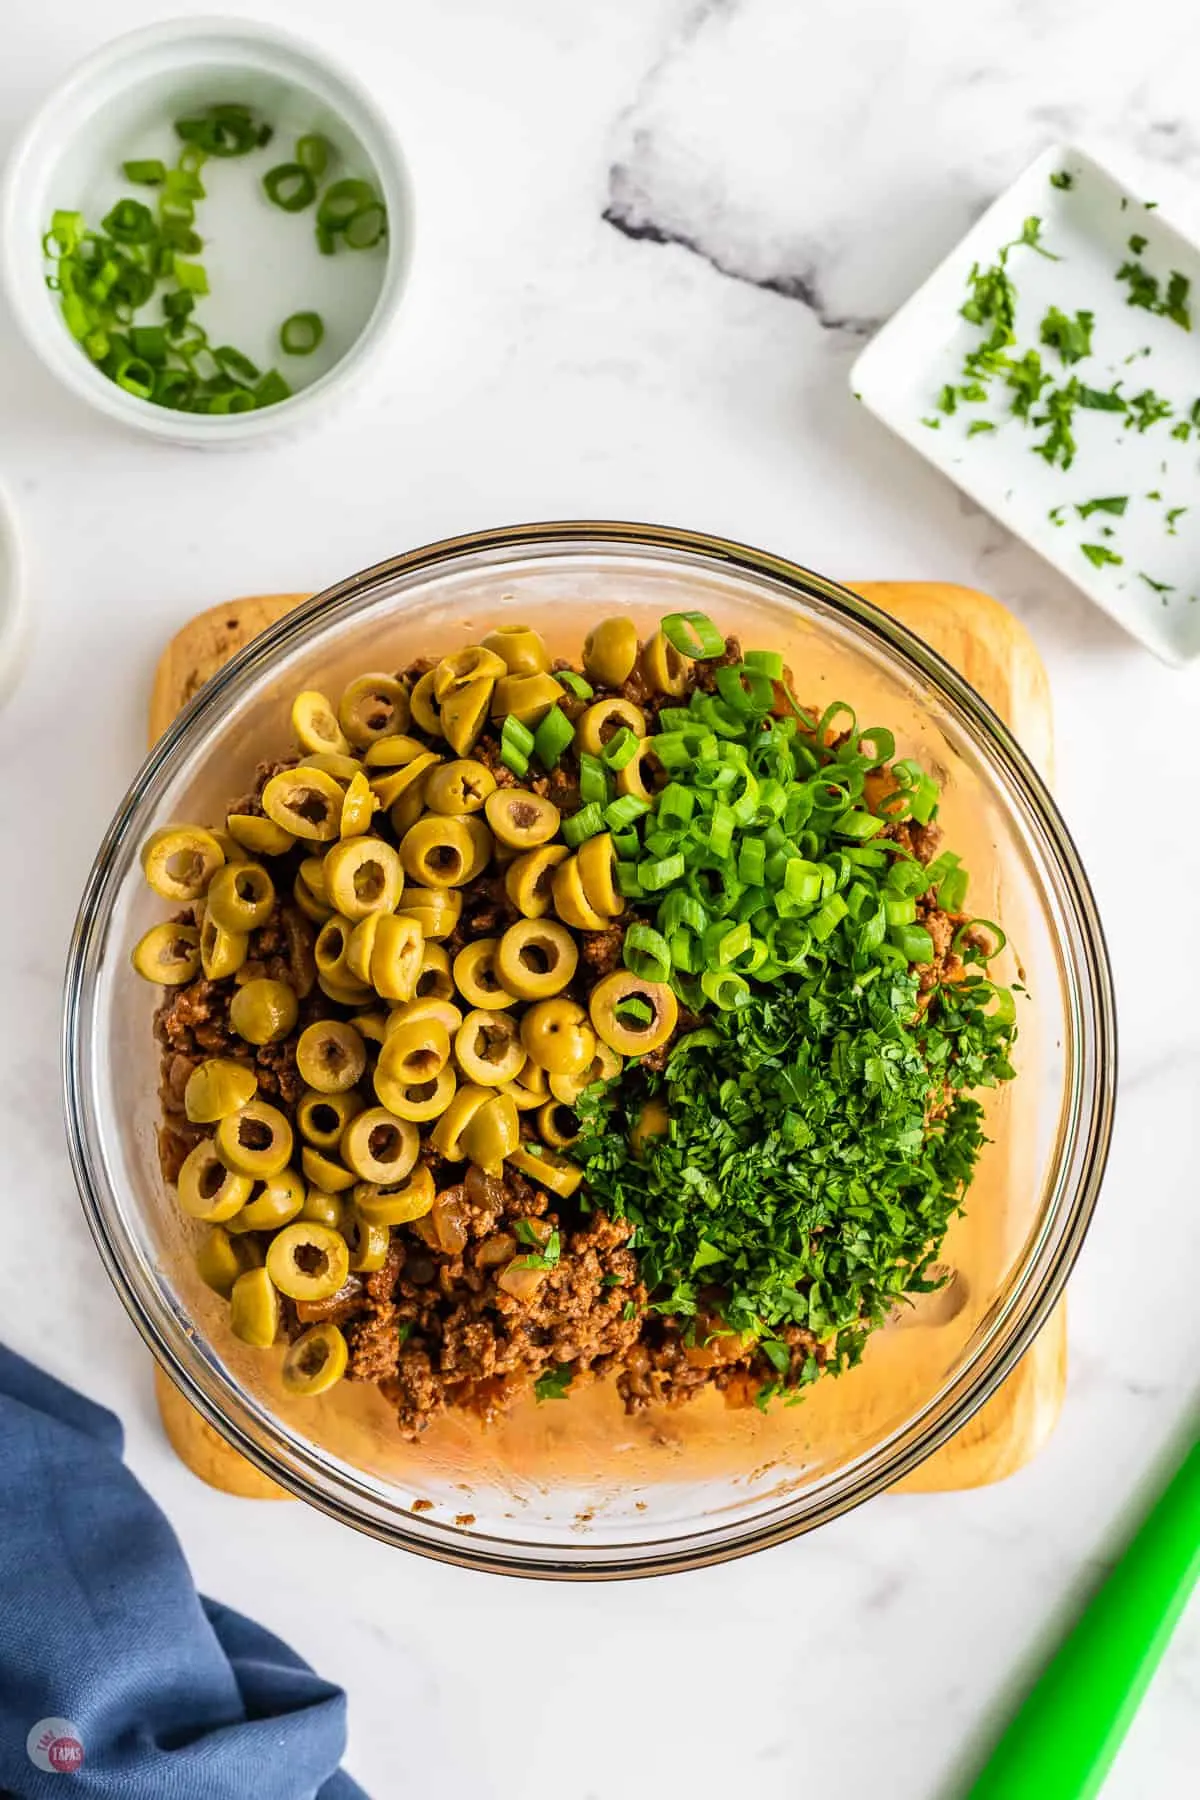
262, 262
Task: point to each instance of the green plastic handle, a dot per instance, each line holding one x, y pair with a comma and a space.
1061, 1744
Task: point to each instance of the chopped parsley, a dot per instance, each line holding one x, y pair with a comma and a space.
1137, 243
823, 1138
553, 1385
1145, 289
1062, 178
1159, 587
1115, 504
1072, 338
1057, 515
978, 425
1099, 554
546, 1250
1148, 408
1176, 512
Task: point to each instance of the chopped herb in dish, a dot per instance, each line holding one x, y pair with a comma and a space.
1099, 554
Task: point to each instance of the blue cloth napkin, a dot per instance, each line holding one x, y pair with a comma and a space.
116, 1678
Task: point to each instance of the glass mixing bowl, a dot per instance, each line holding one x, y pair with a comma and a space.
577, 1489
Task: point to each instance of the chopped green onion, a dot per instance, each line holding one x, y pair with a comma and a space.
913, 942
174, 388
623, 811
300, 334
646, 953
858, 825
366, 227
326, 241
694, 635
654, 875
628, 882
149, 343
516, 745
236, 400
621, 748
587, 822
998, 937
237, 365
828, 917
341, 200
952, 890
575, 684
272, 389
136, 376
900, 912
129, 222
191, 276
149, 173
725, 989
593, 779
747, 692
553, 736
767, 662
290, 186
626, 844
313, 152
635, 1010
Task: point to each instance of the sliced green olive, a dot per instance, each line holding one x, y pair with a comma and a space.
602, 720
435, 911
488, 1048
528, 879
254, 1309
361, 948
653, 1121
332, 762
231, 850
437, 852
396, 956
217, 1087
379, 1146
492, 1134
322, 1118
359, 805
264, 1011
220, 1259
643, 775
395, 752
396, 784
606, 1065
368, 1241
259, 835
521, 818
665, 669
548, 1170
596, 861
207, 1188
363, 875
610, 651
536, 958
306, 802
309, 905
570, 902
631, 1036
482, 844
444, 1011
371, 707
307, 1261
521, 649
459, 787
346, 993
435, 981
464, 713
222, 952
324, 1172
530, 1090
332, 948
525, 697
315, 726
330, 1056
416, 1051
276, 1203
256, 1140
446, 1136
462, 667
408, 807
417, 1100
426, 709
371, 1026
179, 861
321, 1208
315, 1361
477, 979
396, 1203
168, 954
558, 1124
557, 1036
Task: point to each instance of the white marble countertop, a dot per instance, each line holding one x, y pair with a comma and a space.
557, 359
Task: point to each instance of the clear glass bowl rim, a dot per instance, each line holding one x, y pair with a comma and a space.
1028, 1307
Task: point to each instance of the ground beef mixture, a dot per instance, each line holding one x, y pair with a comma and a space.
444, 1323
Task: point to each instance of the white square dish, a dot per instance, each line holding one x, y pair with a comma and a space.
1087, 221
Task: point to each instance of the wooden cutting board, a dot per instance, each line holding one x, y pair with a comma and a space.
997, 656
